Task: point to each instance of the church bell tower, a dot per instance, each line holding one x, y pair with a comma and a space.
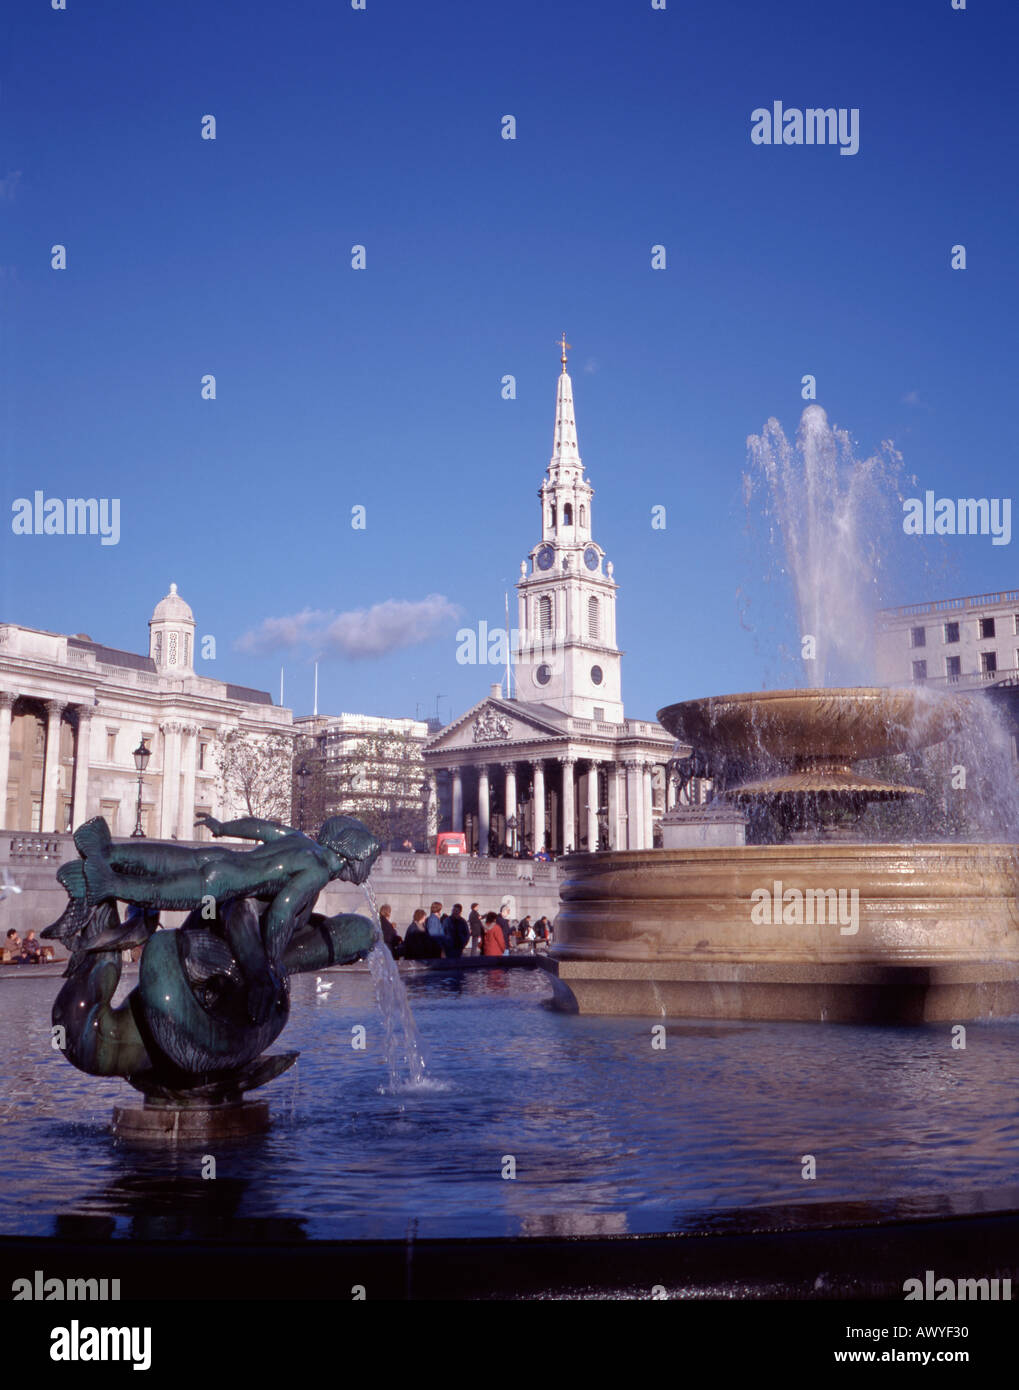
567, 655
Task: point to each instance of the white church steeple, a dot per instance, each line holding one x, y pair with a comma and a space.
567, 656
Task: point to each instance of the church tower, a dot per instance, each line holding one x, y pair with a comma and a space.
567, 655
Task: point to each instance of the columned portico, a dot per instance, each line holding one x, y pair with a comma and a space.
592, 807
79, 812
484, 810
510, 801
569, 836
458, 799
170, 803
6, 705
51, 770
538, 804
189, 753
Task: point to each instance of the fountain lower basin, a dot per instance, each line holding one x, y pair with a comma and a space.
837, 929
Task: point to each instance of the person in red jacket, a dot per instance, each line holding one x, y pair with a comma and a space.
493, 943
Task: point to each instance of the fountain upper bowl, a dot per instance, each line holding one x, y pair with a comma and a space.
845, 723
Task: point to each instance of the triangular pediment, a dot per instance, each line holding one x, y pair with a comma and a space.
496, 723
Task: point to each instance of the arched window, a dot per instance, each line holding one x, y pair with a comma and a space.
567, 514
593, 618
583, 515
551, 516
545, 614
157, 648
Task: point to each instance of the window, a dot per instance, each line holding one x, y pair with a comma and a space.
157, 648
111, 745
919, 670
203, 753
986, 628
951, 632
187, 649
953, 667
593, 618
567, 513
918, 637
1016, 621
171, 654
545, 613
552, 515
988, 662
599, 714
583, 516
110, 812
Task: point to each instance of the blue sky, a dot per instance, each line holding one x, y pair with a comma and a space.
381, 387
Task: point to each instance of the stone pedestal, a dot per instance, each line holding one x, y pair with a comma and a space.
715, 826
173, 1124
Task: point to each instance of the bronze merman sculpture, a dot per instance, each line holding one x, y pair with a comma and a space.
213, 993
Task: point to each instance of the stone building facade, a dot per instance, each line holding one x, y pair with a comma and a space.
72, 711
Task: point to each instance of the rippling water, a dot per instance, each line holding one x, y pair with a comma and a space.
607, 1134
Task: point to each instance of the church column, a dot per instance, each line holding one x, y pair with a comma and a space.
569, 806
432, 809
458, 799
612, 787
510, 769
634, 806
51, 766
539, 804
82, 757
6, 706
483, 810
649, 795
592, 807
170, 791
189, 754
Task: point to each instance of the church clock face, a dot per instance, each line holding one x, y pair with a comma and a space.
597, 675
591, 558
546, 557
543, 674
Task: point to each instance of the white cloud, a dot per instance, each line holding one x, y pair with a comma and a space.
359, 634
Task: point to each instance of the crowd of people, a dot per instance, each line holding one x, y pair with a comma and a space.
437, 935
31, 951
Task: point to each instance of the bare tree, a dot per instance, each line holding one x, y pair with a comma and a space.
255, 773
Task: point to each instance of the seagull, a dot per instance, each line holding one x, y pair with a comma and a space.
322, 986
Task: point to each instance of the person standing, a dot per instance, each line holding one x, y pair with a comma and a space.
417, 944
493, 942
435, 926
477, 927
458, 933
390, 935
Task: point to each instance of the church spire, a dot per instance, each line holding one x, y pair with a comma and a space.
565, 450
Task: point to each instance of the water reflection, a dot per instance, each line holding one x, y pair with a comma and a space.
607, 1134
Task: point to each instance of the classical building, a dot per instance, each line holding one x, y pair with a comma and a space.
72, 711
559, 765
966, 643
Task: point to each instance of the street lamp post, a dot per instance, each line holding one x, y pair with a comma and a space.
141, 756
302, 782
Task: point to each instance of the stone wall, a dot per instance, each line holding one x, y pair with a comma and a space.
405, 881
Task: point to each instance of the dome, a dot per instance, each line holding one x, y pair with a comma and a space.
172, 607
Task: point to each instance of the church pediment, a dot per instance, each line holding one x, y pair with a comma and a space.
494, 723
